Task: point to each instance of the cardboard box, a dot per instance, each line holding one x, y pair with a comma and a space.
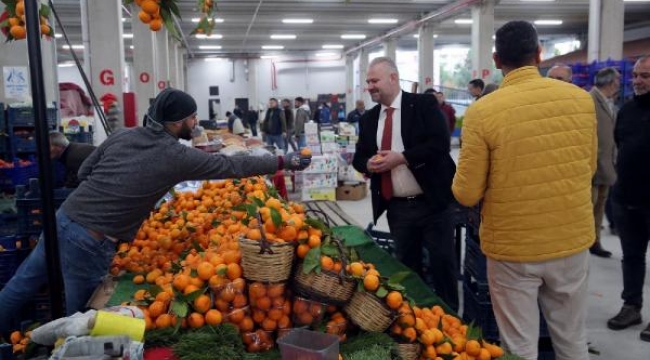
327, 137
319, 194
315, 150
349, 174
330, 147
322, 180
312, 139
311, 128
353, 192
347, 129
322, 164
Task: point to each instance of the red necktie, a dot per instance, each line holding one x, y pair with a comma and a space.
386, 140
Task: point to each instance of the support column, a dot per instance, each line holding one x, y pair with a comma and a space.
180, 68
144, 65
363, 70
482, 31
390, 49
606, 27
162, 64
106, 53
173, 65
350, 96
425, 57
251, 85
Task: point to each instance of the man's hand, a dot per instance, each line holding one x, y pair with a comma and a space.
297, 161
385, 160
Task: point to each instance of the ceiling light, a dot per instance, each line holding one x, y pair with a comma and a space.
435, 36
283, 37
636, 0
204, 36
382, 21
326, 54
58, 36
127, 36
210, 47
213, 59
353, 36
272, 47
217, 20
463, 21
297, 21
536, 0
69, 64
332, 47
74, 47
131, 47
268, 56
548, 22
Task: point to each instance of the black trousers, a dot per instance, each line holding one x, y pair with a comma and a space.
633, 225
415, 227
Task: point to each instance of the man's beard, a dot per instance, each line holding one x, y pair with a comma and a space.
185, 133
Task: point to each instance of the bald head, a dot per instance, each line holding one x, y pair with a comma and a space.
560, 72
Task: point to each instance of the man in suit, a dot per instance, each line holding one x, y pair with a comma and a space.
404, 148
606, 85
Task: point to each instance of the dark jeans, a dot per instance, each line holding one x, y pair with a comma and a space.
609, 213
633, 225
253, 125
415, 227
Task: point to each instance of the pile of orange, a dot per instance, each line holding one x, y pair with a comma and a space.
337, 325
150, 13
307, 312
19, 341
16, 22
258, 341
270, 306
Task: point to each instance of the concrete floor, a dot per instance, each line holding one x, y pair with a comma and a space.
605, 285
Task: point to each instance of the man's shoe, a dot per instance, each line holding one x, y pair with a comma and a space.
628, 316
597, 249
645, 334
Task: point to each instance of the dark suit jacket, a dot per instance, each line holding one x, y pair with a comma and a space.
426, 148
72, 158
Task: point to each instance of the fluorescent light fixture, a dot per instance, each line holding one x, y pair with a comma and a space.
494, 37
124, 19
131, 47
216, 20
127, 36
268, 56
297, 21
58, 36
636, 0
283, 37
204, 36
67, 64
548, 22
210, 47
353, 36
463, 21
74, 47
382, 21
536, 0
435, 36
211, 59
326, 54
272, 47
332, 47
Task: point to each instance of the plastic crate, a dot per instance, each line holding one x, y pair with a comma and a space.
458, 213
3, 123
23, 144
10, 257
383, 239
8, 224
30, 208
10, 178
475, 261
480, 289
24, 116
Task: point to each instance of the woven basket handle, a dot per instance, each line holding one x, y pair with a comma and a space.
265, 245
344, 259
326, 218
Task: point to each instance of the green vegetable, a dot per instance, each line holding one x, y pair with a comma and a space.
208, 342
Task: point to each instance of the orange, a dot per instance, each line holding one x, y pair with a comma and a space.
140, 295
163, 321
273, 203
246, 325
20, 8
439, 335
275, 290
240, 301
164, 297
306, 318
302, 250
150, 7
473, 348
202, 304
213, 317
484, 354
430, 352
16, 21
46, 30
326, 263
371, 282
148, 323
288, 233
275, 314
428, 337
155, 24
444, 349
459, 343
372, 272
256, 290
138, 279
495, 351
234, 271
394, 300
284, 322
407, 321
18, 32
314, 241
190, 289
356, 269
269, 325
205, 270
409, 334
263, 303
157, 308
15, 337
180, 282
254, 234
195, 320
305, 152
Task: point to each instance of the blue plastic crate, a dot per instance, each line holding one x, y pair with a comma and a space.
8, 224
24, 116
3, 123
10, 257
475, 261
479, 312
383, 239
18, 175
23, 144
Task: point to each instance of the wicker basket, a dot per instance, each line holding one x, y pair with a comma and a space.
272, 263
369, 312
327, 287
408, 351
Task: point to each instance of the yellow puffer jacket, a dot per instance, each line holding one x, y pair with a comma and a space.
529, 152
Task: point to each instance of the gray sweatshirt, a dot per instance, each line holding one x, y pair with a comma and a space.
134, 168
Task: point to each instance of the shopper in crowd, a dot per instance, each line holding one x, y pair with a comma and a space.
251, 120
560, 72
238, 112
302, 117
475, 88
606, 86
404, 149
274, 125
235, 125
489, 88
324, 114
631, 195
121, 182
531, 163
70, 154
355, 115
447, 110
231, 120
288, 115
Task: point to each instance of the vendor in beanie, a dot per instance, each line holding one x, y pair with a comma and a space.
121, 182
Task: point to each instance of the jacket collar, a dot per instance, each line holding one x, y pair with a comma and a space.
397, 102
643, 100
520, 75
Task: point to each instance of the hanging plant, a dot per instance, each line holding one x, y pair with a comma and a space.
157, 13
206, 24
12, 20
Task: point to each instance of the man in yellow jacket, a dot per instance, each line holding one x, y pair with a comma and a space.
529, 152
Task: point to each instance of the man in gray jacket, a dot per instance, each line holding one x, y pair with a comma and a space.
606, 86
121, 182
302, 116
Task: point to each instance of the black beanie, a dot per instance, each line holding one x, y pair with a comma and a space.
171, 105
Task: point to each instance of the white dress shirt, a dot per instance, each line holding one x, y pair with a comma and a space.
404, 183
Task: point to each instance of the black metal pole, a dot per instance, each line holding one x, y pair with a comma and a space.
44, 164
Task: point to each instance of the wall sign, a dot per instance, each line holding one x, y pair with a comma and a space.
106, 77
161, 84
16, 84
144, 77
